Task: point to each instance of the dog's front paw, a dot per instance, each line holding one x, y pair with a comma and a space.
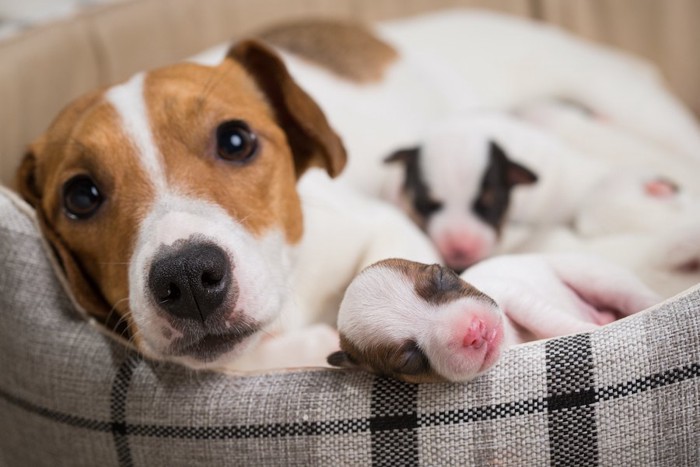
417, 323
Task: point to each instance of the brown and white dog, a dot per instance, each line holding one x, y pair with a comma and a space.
184, 205
172, 204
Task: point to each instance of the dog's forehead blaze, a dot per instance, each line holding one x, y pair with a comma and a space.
90, 140
186, 103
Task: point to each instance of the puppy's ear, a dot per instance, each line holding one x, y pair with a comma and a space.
25, 179
516, 174
405, 156
84, 291
313, 141
341, 359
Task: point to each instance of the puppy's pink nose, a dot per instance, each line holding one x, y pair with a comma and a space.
459, 256
477, 335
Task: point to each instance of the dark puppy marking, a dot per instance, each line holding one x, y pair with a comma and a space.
348, 49
414, 186
500, 177
405, 361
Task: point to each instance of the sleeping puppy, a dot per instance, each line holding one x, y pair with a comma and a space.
470, 175
423, 323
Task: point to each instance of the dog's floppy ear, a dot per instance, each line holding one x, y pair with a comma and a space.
84, 291
25, 179
516, 174
313, 141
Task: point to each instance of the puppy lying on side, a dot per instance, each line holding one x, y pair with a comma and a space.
471, 175
423, 323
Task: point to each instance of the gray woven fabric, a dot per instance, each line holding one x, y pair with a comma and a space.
628, 394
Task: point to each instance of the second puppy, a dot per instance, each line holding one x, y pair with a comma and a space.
423, 323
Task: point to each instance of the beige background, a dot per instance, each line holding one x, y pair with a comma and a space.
44, 68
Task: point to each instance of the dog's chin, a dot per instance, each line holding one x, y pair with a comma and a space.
209, 353
199, 349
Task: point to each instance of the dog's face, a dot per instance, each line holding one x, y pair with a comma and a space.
457, 187
170, 200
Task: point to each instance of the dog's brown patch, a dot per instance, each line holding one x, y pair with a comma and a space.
186, 104
348, 49
95, 252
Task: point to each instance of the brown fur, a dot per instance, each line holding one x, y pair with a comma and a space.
186, 103
348, 49
434, 283
385, 359
94, 254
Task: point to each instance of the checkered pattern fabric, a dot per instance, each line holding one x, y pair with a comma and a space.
628, 394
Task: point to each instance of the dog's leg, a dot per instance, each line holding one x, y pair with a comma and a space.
604, 285
533, 311
307, 347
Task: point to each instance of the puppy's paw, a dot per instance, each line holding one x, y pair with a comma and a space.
417, 323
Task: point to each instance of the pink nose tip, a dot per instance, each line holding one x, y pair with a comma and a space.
460, 254
477, 335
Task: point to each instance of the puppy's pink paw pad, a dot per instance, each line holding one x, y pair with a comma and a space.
661, 188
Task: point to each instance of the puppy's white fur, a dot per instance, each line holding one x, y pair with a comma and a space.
381, 307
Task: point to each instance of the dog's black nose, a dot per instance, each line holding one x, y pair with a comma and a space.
191, 281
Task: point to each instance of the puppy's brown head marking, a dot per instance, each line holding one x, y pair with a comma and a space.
434, 283
348, 49
406, 362
176, 152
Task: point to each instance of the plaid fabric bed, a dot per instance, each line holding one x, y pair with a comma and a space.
628, 394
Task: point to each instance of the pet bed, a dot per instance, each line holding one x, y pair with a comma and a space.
627, 394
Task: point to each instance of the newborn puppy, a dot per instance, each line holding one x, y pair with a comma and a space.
423, 323
472, 174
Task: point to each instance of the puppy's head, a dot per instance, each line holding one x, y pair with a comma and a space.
457, 186
170, 199
417, 323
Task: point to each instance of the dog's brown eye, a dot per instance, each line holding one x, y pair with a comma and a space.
235, 142
81, 197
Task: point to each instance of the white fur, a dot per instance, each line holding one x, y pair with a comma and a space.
604, 141
128, 100
381, 307
259, 266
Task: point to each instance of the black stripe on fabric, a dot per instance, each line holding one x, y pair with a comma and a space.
337, 427
393, 423
120, 390
273, 430
478, 414
56, 416
571, 418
